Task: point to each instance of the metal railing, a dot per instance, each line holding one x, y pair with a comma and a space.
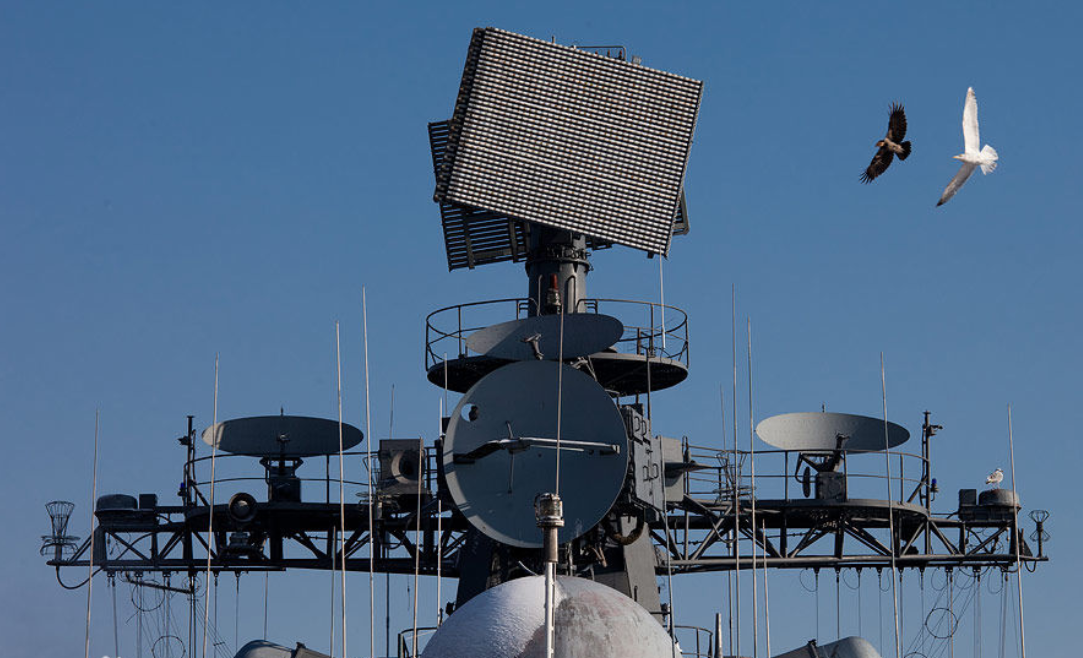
228, 485
778, 476
656, 330
407, 638
694, 641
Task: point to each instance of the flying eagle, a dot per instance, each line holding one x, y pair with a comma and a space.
890, 146
995, 478
971, 157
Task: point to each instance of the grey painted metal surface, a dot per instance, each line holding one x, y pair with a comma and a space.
265, 649
499, 452
824, 431
281, 436
584, 334
569, 139
647, 462
591, 621
848, 647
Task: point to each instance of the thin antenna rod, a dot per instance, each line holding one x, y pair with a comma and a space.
890, 511
417, 533
560, 394
341, 541
331, 550
387, 575
368, 468
93, 497
1018, 539
729, 574
662, 299
752, 443
391, 422
752, 460
207, 584
116, 630
736, 477
439, 532
665, 510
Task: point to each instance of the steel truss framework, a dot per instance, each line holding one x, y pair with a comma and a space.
697, 536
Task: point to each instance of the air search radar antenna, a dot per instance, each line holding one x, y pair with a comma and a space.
553, 150
281, 442
827, 431
823, 439
281, 437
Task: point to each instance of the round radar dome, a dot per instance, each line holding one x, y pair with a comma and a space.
590, 620
503, 444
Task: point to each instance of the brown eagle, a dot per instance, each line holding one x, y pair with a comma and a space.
890, 146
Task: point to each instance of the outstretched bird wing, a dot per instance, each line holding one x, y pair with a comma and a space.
971, 142
879, 164
956, 183
896, 124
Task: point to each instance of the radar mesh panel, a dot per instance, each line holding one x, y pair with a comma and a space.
565, 138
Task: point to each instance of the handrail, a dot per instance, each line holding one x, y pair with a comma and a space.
722, 470
641, 336
697, 647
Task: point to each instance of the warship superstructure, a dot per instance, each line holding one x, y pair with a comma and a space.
547, 492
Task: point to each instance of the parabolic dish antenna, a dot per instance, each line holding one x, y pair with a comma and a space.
281, 436
827, 431
584, 333
501, 451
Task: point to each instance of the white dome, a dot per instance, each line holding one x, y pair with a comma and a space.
591, 621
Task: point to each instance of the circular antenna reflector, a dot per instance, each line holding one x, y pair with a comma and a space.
501, 451
281, 436
826, 431
584, 333
242, 507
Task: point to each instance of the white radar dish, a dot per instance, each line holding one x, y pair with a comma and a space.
525, 339
827, 431
281, 436
501, 451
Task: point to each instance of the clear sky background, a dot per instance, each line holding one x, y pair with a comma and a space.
178, 181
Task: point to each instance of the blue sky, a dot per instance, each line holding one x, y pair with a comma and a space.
180, 181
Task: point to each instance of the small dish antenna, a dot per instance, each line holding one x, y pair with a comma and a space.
539, 337
827, 432
501, 450
285, 437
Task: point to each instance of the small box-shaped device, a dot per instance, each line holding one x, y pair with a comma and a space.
400, 467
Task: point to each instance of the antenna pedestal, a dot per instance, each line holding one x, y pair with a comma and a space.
556, 266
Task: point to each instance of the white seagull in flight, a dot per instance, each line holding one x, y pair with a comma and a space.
995, 478
971, 157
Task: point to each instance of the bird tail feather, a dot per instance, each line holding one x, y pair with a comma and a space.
989, 157
905, 150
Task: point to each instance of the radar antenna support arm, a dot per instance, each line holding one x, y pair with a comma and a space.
526, 442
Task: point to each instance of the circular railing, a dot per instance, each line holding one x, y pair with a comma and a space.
650, 329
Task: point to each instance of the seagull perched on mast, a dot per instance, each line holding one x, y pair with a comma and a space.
890, 146
995, 478
971, 157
